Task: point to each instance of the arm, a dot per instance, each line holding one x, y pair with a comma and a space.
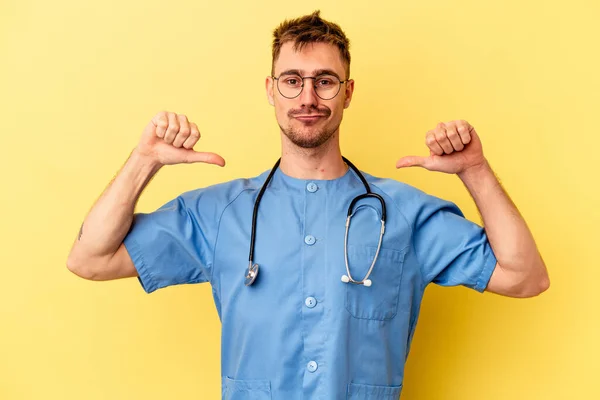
520, 271
455, 148
98, 252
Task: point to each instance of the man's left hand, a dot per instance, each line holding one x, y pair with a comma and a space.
454, 147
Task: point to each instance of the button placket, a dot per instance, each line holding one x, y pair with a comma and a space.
315, 229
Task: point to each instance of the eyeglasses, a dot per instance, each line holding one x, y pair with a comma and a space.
326, 86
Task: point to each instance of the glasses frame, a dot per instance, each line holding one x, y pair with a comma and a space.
314, 78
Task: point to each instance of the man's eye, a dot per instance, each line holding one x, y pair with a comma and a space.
325, 81
292, 81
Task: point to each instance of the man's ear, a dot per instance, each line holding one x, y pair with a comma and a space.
269, 87
348, 92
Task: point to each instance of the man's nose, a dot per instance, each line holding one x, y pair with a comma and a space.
309, 97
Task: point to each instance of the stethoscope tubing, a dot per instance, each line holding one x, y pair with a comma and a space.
252, 271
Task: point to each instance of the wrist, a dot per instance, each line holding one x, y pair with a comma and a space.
476, 171
144, 162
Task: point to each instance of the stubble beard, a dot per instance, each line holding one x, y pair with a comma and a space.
309, 141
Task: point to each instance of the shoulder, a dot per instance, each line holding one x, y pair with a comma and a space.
395, 189
408, 199
215, 198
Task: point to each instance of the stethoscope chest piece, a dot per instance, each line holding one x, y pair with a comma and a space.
251, 274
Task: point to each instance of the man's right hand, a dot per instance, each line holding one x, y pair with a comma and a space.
169, 139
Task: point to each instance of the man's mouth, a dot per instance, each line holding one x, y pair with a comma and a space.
309, 117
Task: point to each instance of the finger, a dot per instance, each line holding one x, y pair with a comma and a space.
454, 137
184, 131
433, 145
442, 139
209, 158
412, 161
464, 130
161, 122
193, 138
172, 129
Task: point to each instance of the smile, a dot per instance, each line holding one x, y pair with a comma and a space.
309, 118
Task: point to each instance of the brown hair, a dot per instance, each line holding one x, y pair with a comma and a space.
310, 29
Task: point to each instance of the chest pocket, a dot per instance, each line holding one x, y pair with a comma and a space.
368, 392
380, 300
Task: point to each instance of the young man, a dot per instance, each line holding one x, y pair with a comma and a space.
327, 305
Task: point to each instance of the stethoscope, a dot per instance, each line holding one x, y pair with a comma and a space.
252, 271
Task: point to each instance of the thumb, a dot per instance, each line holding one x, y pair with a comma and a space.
193, 156
412, 161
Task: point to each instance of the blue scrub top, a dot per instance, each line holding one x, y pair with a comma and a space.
299, 332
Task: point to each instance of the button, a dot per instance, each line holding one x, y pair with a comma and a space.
312, 366
309, 240
312, 187
310, 302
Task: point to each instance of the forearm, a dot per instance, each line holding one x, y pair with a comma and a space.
110, 218
510, 238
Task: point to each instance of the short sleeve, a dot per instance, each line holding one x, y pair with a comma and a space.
170, 246
451, 249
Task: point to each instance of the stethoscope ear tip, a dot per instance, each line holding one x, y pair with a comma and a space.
366, 282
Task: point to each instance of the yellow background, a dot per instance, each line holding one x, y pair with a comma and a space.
79, 80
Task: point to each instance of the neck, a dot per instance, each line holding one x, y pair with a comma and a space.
322, 163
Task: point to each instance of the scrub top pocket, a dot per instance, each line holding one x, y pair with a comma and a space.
379, 301
234, 389
369, 392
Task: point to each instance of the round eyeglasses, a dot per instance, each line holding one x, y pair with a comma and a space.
326, 86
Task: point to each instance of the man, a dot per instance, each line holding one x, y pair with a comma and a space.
326, 308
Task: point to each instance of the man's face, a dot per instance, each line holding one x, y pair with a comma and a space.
308, 120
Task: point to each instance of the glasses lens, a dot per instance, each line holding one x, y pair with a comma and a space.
327, 86
289, 86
